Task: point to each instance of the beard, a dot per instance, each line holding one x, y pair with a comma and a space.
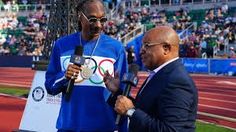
95, 30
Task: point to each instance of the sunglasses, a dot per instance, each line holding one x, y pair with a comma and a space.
93, 20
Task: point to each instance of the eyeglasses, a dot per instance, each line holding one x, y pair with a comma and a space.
93, 20
148, 45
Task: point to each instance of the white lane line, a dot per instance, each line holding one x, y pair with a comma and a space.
226, 82
17, 85
219, 94
218, 90
15, 81
217, 86
7, 95
217, 116
219, 100
216, 107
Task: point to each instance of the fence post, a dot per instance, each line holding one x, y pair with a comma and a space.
209, 66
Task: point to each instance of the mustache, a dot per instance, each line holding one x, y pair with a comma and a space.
96, 29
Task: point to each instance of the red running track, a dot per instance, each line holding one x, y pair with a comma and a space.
21, 77
217, 97
11, 110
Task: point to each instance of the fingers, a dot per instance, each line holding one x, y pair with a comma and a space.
107, 74
117, 74
123, 104
107, 77
119, 106
72, 71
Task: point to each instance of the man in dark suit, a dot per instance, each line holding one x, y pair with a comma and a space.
167, 101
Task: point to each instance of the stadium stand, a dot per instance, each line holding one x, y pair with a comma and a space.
207, 29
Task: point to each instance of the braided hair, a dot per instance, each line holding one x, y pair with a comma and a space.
82, 6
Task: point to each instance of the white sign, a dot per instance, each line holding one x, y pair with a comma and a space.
41, 110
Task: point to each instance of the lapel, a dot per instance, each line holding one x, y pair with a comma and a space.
158, 79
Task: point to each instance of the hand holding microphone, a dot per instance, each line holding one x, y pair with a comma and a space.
123, 104
73, 70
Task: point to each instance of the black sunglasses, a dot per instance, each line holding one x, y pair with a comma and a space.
93, 20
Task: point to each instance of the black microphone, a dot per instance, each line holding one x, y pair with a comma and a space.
130, 79
78, 60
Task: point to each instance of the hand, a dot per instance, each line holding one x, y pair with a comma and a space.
112, 83
72, 71
123, 104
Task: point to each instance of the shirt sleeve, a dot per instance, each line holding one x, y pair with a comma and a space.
121, 66
55, 79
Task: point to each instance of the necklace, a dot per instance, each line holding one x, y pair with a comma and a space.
87, 72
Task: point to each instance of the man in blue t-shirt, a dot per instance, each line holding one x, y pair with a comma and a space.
87, 109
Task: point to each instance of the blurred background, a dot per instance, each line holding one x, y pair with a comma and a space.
206, 28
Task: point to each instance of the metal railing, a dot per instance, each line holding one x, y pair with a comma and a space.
131, 35
175, 5
185, 33
23, 7
174, 2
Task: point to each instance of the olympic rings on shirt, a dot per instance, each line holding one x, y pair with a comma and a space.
100, 82
94, 66
65, 62
90, 79
94, 61
100, 65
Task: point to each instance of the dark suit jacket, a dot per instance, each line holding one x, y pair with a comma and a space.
168, 103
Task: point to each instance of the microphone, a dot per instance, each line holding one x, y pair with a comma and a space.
130, 79
78, 60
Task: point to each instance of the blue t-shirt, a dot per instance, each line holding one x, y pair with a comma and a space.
87, 109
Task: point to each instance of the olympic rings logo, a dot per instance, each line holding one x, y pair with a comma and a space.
102, 67
98, 82
99, 65
65, 63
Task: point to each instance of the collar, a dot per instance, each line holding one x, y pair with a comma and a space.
163, 65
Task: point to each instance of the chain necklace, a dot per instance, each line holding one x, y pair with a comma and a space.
87, 72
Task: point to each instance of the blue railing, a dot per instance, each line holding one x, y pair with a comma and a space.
210, 66
193, 65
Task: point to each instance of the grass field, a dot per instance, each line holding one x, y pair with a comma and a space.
201, 127
16, 91
206, 127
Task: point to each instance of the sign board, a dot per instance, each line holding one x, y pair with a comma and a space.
41, 108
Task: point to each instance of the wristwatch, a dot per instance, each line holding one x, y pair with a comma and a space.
130, 112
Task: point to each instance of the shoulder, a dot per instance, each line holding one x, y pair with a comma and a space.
110, 40
67, 38
181, 80
179, 74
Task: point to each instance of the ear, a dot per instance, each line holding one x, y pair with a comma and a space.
167, 49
